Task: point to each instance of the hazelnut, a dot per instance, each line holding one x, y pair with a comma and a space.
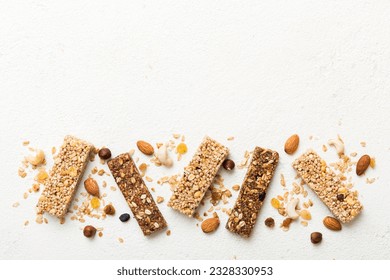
316, 237
269, 222
104, 153
89, 231
228, 164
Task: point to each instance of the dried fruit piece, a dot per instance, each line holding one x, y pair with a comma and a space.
104, 153
109, 209
291, 144
181, 148
89, 231
95, 202
210, 225
305, 214
124, 217
92, 187
145, 148
363, 164
316, 237
269, 222
42, 176
332, 223
275, 203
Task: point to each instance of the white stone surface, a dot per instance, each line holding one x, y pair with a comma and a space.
114, 73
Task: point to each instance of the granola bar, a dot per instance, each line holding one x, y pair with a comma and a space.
341, 201
64, 177
253, 191
136, 193
198, 176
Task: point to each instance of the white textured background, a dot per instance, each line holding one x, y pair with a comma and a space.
113, 72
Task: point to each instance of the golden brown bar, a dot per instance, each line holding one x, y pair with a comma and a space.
64, 177
253, 191
136, 193
198, 176
341, 201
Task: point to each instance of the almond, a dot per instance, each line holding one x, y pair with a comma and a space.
291, 144
332, 223
363, 164
210, 225
145, 148
92, 187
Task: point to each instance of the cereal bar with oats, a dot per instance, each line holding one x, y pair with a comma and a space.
340, 200
198, 176
136, 193
64, 177
244, 214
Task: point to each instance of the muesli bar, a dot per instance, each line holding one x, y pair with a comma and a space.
340, 200
198, 176
253, 191
136, 193
64, 177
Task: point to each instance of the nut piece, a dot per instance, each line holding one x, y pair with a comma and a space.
291, 144
332, 223
291, 208
163, 156
38, 159
104, 153
89, 231
269, 222
316, 237
338, 144
145, 148
228, 164
210, 225
109, 209
363, 164
92, 187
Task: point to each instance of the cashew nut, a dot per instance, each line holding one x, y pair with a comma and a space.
338, 144
163, 157
38, 159
291, 208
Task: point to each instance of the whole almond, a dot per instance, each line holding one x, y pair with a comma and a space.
332, 223
92, 187
145, 148
363, 164
210, 225
291, 144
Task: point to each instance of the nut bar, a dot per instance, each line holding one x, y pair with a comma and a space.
64, 177
341, 201
198, 176
243, 217
136, 193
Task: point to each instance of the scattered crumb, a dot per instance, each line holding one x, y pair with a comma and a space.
363, 144
168, 232
324, 148
26, 223
160, 199
370, 180
282, 180
16, 204
231, 138
236, 188
26, 143
120, 239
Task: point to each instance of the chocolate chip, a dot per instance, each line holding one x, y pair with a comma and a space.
228, 164
104, 153
340, 197
262, 196
124, 217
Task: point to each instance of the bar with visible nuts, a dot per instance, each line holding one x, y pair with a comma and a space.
198, 176
136, 193
253, 191
64, 177
341, 201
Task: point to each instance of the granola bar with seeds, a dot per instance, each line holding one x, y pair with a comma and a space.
136, 193
328, 186
64, 177
253, 191
198, 176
